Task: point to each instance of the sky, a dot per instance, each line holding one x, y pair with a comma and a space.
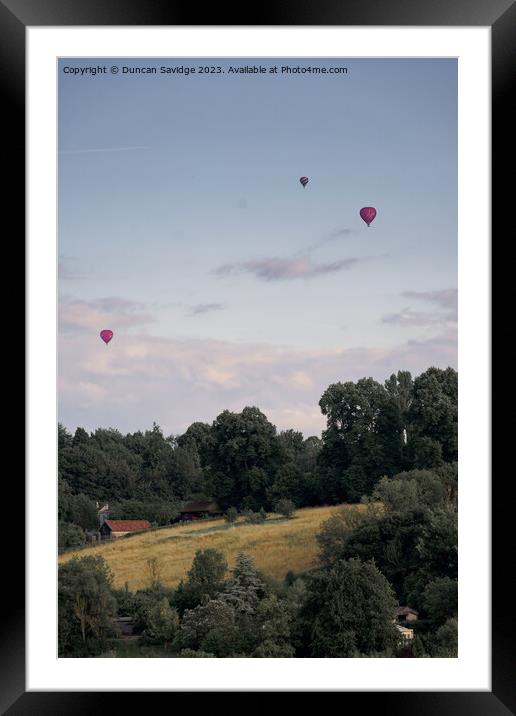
183, 227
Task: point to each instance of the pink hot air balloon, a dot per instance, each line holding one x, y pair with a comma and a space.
106, 335
367, 214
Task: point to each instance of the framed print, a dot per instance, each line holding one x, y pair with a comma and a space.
258, 356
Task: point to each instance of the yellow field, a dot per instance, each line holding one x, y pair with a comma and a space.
278, 546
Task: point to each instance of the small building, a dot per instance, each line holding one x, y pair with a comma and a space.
405, 633
405, 614
92, 535
198, 510
111, 529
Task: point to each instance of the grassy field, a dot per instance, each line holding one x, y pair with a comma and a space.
278, 545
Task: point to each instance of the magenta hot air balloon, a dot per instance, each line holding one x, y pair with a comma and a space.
367, 214
106, 335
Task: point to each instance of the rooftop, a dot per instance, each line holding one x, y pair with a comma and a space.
401, 611
127, 525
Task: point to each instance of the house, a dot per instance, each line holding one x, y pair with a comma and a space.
405, 614
198, 510
405, 634
111, 529
103, 513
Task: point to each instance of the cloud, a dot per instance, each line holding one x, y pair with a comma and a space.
277, 269
201, 308
76, 315
408, 317
445, 299
140, 379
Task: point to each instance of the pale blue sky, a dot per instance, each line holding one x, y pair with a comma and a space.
191, 226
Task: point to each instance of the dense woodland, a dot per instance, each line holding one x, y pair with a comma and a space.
392, 447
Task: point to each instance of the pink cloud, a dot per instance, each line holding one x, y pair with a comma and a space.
77, 315
138, 379
278, 269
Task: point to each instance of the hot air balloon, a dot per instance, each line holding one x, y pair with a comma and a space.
367, 214
106, 335
304, 181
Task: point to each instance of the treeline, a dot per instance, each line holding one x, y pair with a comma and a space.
241, 461
400, 548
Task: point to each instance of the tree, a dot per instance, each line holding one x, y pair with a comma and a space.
245, 456
437, 545
211, 628
161, 622
246, 587
198, 436
433, 412
69, 536
410, 491
83, 512
392, 541
205, 580
397, 495
431, 489
87, 606
64, 499
274, 622
348, 609
208, 568
448, 474
399, 386
440, 599
444, 643
255, 518
363, 438
187, 475
154, 569
336, 531
64, 438
285, 507
231, 515
423, 453
238, 620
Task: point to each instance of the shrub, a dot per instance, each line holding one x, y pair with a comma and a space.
285, 507
70, 535
161, 621
255, 518
231, 515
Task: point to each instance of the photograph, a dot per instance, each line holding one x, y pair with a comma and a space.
257, 357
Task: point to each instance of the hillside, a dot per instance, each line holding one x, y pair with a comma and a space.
278, 545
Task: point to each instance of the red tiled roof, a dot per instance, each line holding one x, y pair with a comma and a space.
127, 525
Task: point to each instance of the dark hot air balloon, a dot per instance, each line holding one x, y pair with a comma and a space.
304, 181
106, 335
367, 214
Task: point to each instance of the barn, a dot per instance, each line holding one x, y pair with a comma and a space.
111, 529
198, 510
405, 614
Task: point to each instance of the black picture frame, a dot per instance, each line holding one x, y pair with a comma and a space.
500, 15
